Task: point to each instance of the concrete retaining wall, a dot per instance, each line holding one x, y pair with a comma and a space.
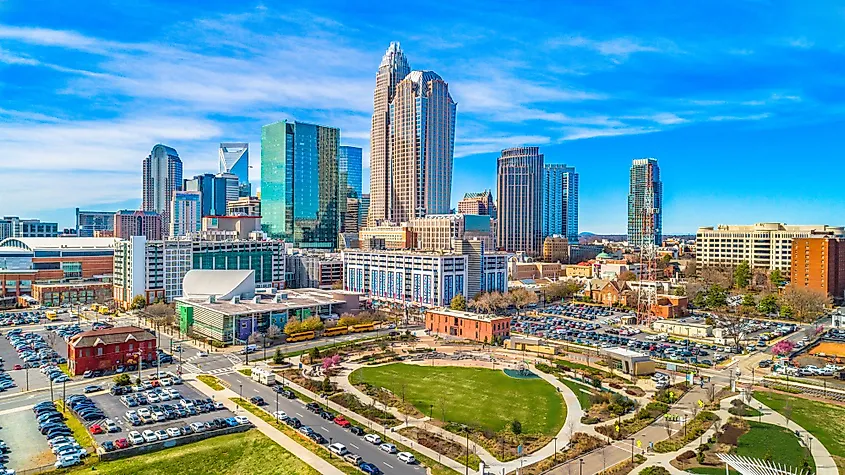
172, 442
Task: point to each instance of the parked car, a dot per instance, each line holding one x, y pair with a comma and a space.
389, 448
338, 448
374, 439
406, 457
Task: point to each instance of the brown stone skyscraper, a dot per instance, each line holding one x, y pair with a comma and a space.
393, 69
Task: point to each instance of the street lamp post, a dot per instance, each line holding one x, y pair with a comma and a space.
580, 466
241, 387
277, 405
466, 464
554, 456
52, 398
632, 449
330, 443
64, 387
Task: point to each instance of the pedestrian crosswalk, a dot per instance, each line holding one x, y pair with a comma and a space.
192, 368
220, 371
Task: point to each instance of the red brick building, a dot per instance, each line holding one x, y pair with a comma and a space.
819, 263
467, 325
107, 349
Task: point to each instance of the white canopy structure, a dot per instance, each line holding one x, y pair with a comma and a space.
751, 466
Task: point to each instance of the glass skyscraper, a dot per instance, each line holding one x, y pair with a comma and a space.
215, 190
645, 204
519, 193
234, 159
350, 159
560, 201
162, 177
300, 181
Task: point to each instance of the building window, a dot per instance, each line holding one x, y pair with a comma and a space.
99, 351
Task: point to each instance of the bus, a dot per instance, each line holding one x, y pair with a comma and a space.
301, 336
103, 310
52, 316
334, 331
95, 307
362, 327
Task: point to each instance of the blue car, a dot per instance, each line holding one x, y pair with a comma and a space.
370, 468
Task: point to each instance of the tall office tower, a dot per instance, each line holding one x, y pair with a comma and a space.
422, 134
393, 68
363, 211
234, 159
560, 201
162, 178
185, 214
350, 159
645, 204
87, 222
519, 193
300, 196
352, 215
478, 203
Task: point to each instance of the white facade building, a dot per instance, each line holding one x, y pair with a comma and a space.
418, 278
762, 245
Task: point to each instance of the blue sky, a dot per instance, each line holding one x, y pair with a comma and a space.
741, 101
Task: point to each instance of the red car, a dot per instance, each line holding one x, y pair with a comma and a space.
121, 443
96, 429
17, 366
341, 421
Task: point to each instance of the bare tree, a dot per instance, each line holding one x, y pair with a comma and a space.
713, 275
787, 411
732, 326
273, 332
806, 303
521, 298
711, 392
254, 338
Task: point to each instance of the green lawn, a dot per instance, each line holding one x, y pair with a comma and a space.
245, 453
582, 391
771, 442
822, 420
711, 471
477, 397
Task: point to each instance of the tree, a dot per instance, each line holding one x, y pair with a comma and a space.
713, 275
732, 325
776, 278
516, 427
716, 297
690, 269
562, 289
138, 302
666, 259
654, 470
278, 358
521, 298
807, 304
748, 301
680, 291
627, 276
459, 302
273, 332
768, 305
742, 275
122, 379
783, 347
314, 354
311, 324
292, 326
786, 311
327, 385
254, 338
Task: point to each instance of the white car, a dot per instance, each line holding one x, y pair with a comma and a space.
149, 436
174, 394
159, 416
280, 415
202, 354
389, 448
406, 457
67, 461
338, 448
135, 438
374, 439
166, 382
110, 426
153, 398
198, 426
144, 412
164, 396
173, 432
161, 435
242, 420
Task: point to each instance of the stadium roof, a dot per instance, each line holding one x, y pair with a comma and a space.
40, 243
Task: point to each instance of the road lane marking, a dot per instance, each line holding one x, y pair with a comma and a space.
355, 446
299, 414
391, 466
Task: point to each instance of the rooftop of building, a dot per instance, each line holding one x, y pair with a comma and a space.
480, 317
110, 336
396, 252
772, 227
279, 302
222, 284
42, 243
83, 284
477, 195
625, 353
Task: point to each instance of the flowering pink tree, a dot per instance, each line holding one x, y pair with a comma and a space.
819, 330
783, 347
330, 362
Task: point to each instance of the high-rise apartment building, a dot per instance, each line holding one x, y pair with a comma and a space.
244, 206
645, 204
185, 214
762, 245
300, 183
393, 69
88, 222
162, 177
560, 201
128, 223
349, 162
519, 195
819, 263
478, 203
351, 216
234, 159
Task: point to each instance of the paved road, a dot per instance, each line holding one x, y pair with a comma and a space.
388, 463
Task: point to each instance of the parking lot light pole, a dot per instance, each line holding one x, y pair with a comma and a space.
277, 405
330, 443
242, 395
64, 407
52, 398
632, 449
26, 370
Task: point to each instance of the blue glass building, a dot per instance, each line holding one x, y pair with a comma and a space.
560, 201
349, 160
300, 180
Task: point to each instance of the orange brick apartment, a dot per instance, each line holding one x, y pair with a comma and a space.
471, 326
819, 263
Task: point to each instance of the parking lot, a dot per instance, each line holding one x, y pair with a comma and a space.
27, 447
175, 413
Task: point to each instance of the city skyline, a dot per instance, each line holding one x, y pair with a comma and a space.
592, 95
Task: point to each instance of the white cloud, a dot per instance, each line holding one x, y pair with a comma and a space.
618, 47
476, 145
9, 57
719, 118
578, 133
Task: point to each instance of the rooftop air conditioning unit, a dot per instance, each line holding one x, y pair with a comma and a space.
236, 299
212, 299
256, 299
